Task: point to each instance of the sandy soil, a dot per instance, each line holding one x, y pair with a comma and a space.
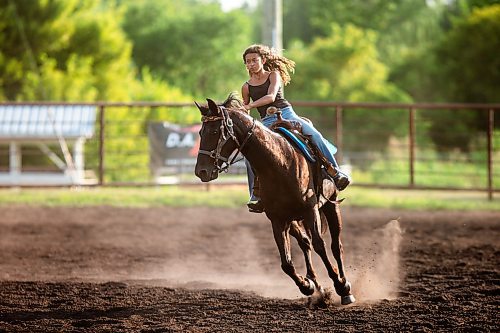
106, 269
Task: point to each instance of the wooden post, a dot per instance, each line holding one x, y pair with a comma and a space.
78, 150
339, 135
272, 24
491, 121
15, 162
101, 145
411, 124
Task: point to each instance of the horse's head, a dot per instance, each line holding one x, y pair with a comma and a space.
217, 141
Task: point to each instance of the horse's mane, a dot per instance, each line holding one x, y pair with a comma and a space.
233, 101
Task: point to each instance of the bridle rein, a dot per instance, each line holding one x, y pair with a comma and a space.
226, 134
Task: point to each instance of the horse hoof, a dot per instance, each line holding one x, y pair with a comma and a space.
346, 297
346, 300
343, 290
308, 291
347, 287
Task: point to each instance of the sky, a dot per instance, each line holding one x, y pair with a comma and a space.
227, 5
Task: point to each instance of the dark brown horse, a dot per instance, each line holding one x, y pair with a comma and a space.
288, 189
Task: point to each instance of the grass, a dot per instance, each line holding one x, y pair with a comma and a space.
421, 199
236, 196
454, 173
126, 196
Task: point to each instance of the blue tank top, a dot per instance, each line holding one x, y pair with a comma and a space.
259, 91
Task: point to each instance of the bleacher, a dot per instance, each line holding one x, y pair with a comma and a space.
47, 127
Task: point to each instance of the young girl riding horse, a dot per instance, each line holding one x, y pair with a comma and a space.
268, 73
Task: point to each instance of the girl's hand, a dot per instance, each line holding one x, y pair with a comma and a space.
247, 106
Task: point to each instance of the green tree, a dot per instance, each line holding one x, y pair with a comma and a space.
345, 66
406, 30
459, 9
399, 23
297, 22
469, 72
191, 45
62, 50
75, 50
469, 57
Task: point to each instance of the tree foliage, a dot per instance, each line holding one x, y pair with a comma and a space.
194, 45
469, 57
63, 50
400, 24
345, 66
73, 50
434, 51
469, 73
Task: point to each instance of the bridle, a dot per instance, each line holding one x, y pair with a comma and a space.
227, 133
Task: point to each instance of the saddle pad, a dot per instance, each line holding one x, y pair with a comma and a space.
297, 142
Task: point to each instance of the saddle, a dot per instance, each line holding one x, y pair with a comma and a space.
292, 131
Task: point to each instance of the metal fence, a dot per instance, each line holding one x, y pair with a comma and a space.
382, 144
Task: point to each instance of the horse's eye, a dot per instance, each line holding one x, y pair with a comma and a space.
215, 132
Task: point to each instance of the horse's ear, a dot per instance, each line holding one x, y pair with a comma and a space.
213, 106
203, 109
198, 106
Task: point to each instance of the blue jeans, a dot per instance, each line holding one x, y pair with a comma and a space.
323, 145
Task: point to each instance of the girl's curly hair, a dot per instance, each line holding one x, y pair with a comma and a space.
273, 61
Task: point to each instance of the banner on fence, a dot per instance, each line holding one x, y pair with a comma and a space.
173, 149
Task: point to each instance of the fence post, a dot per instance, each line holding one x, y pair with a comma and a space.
491, 121
101, 145
411, 124
338, 134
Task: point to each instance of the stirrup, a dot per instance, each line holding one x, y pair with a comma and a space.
341, 179
255, 206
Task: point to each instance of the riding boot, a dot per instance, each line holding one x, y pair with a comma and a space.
255, 204
341, 179
256, 187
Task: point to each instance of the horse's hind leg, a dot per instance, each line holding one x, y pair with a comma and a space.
342, 287
334, 218
282, 238
304, 241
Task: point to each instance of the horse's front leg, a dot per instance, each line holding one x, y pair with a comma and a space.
332, 214
282, 238
313, 220
304, 241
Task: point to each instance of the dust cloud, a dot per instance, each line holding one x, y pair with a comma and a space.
239, 260
378, 274
242, 262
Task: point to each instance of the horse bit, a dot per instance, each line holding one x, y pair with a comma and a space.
227, 133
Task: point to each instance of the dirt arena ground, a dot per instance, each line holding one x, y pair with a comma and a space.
107, 269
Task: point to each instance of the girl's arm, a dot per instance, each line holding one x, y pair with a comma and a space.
275, 79
245, 93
